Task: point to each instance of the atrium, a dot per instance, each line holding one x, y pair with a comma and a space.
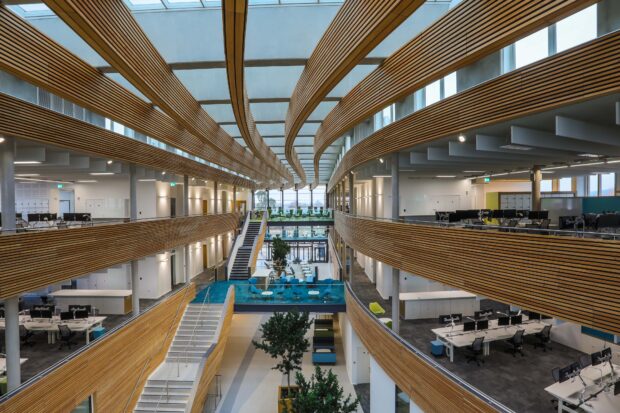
309, 206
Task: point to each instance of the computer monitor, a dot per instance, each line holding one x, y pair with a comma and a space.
606, 354
510, 213
617, 388
483, 325
516, 319
503, 321
567, 372
81, 314
469, 326
66, 315
76, 307
40, 314
458, 317
534, 316
596, 358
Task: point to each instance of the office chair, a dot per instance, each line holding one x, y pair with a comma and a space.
475, 351
517, 343
66, 336
25, 335
585, 360
556, 374
544, 338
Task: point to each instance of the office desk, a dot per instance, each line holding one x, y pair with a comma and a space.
432, 304
106, 301
568, 392
51, 326
455, 337
3, 364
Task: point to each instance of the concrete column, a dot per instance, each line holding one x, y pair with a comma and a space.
188, 272
267, 199
234, 208
536, 177
282, 198
7, 183
311, 199
375, 190
133, 215
185, 195
352, 205
11, 335
343, 193
395, 271
252, 200
296, 197
216, 209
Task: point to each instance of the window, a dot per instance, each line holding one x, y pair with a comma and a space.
432, 92
576, 29
532, 48
566, 184
85, 407
593, 185
608, 184
546, 185
449, 85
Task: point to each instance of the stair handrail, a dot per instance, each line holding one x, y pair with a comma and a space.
257, 245
236, 244
205, 302
205, 357
148, 362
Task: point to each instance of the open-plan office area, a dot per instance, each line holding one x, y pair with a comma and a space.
311, 206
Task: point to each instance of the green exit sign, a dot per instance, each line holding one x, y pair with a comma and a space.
487, 179
59, 186
173, 184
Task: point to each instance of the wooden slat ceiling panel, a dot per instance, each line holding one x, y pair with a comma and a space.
427, 387
30, 261
235, 18
109, 28
114, 370
575, 279
28, 54
585, 72
470, 31
28, 121
357, 28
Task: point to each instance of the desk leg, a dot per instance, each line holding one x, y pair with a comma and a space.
486, 348
560, 406
450, 349
87, 336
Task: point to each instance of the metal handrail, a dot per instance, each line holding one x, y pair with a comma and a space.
429, 360
518, 230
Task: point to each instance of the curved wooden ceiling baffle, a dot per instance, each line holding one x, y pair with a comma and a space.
28, 54
110, 29
571, 278
468, 32
585, 72
70, 253
31, 122
357, 28
234, 13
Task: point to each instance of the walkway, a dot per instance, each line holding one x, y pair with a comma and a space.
249, 385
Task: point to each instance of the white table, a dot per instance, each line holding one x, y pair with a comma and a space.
267, 294
262, 277
568, 392
3, 364
106, 301
313, 293
51, 325
432, 304
454, 337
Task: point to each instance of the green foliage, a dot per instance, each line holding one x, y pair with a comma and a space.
279, 251
284, 338
321, 394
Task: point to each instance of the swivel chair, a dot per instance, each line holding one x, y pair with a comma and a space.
66, 336
475, 351
544, 338
25, 335
517, 343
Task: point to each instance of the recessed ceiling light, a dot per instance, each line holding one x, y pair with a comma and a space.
589, 155
500, 174
555, 167
86, 181
446, 176
163, 173
1, 139
586, 164
110, 162
101, 173
147, 180
381, 160
382, 176
27, 162
462, 138
517, 147
473, 172
27, 175
614, 161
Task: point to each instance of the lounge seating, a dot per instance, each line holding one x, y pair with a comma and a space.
376, 308
253, 289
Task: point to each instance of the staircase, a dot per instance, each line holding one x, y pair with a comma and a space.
170, 387
240, 266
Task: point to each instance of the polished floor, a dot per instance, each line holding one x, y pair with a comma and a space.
249, 384
517, 382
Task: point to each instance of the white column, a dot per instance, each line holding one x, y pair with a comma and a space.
13, 367
382, 390
133, 215
252, 201
186, 213
234, 208
216, 209
7, 184
395, 271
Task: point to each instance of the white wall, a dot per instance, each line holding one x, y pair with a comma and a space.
107, 198
382, 390
146, 199
357, 359
114, 278
425, 196
413, 283
570, 335
384, 280
154, 275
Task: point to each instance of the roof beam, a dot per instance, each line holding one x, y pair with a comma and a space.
235, 17
587, 131
357, 28
468, 32
111, 30
542, 139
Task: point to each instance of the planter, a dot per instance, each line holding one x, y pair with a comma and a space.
285, 398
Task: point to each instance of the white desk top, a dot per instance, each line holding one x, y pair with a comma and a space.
47, 325
261, 272
91, 293
435, 295
3, 364
605, 402
458, 338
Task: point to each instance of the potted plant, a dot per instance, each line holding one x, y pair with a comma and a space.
279, 251
321, 393
284, 338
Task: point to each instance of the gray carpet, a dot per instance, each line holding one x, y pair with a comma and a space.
517, 382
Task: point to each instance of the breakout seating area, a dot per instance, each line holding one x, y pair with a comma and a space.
323, 344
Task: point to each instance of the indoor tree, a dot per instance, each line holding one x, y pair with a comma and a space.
321, 394
284, 338
279, 251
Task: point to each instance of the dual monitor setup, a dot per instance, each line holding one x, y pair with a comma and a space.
47, 312
479, 214
481, 318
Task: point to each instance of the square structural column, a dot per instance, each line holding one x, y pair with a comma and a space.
395, 271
